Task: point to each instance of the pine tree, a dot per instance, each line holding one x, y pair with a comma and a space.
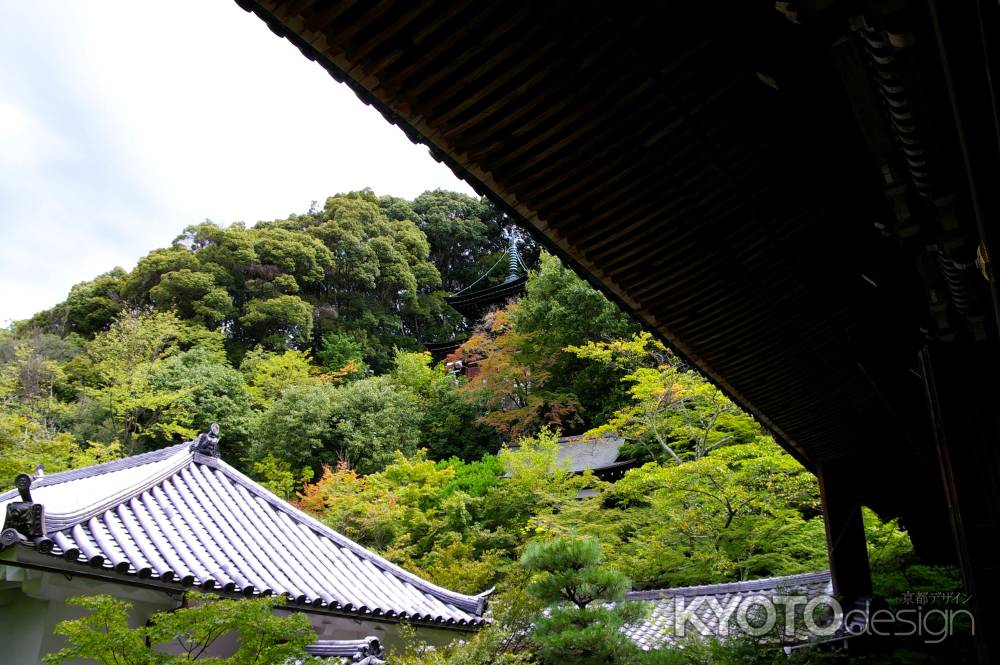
579, 627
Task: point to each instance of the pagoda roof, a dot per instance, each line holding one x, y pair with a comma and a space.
177, 518
474, 304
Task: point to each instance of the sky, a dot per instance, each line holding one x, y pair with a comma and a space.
122, 122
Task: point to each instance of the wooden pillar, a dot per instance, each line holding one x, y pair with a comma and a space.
845, 531
964, 401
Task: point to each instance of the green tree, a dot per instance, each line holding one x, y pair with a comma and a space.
151, 268
104, 635
567, 573
120, 399
677, 410
379, 272
372, 419
464, 233
742, 512
208, 391
362, 424
340, 350
281, 322
267, 373
511, 612
297, 427
194, 295
450, 424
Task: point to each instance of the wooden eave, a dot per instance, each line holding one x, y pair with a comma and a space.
701, 165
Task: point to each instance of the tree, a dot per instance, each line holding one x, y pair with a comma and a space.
296, 428
104, 635
510, 385
676, 409
372, 419
464, 233
194, 295
459, 524
511, 616
267, 373
279, 323
526, 379
744, 511
339, 351
379, 271
115, 374
568, 574
562, 309
361, 424
450, 424
208, 391
92, 306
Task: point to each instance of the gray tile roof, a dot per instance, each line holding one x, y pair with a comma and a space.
581, 454
660, 628
176, 518
349, 650
578, 454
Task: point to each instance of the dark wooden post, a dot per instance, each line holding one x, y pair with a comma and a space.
964, 402
845, 531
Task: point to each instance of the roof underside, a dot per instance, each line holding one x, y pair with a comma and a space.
174, 519
722, 174
473, 304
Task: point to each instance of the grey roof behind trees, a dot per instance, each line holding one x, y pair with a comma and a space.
177, 518
584, 454
578, 454
661, 626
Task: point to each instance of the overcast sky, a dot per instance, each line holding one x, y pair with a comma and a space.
121, 122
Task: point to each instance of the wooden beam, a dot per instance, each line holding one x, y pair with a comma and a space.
845, 530
960, 381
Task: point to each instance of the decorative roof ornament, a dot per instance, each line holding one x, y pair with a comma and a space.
367, 651
25, 519
207, 443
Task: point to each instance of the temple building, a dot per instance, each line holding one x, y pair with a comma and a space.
601, 455
674, 614
148, 527
473, 303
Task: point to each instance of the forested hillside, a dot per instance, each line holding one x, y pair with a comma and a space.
302, 338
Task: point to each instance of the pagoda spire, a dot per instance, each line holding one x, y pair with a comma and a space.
514, 262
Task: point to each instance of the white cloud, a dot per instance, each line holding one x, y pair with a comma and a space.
121, 122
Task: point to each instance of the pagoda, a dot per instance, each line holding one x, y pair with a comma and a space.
474, 303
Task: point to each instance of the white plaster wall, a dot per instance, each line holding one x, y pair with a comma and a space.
342, 628
22, 626
33, 602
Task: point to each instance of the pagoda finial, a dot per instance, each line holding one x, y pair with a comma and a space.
513, 257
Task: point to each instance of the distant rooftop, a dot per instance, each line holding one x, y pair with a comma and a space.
662, 625
578, 453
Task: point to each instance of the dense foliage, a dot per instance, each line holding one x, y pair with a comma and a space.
301, 338
104, 635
